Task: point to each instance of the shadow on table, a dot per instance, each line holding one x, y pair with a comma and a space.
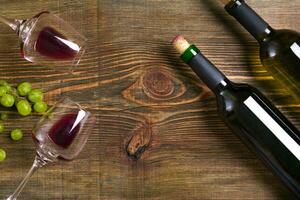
233, 27
8, 38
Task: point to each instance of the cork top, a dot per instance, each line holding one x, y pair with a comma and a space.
180, 44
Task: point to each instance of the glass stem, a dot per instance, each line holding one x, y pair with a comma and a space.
38, 163
14, 24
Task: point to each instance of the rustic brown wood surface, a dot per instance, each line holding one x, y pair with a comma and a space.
158, 135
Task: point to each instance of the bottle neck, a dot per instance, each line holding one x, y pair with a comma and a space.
249, 19
205, 70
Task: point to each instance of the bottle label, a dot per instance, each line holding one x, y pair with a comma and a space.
296, 49
274, 127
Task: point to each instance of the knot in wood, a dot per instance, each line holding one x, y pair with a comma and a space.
139, 141
158, 83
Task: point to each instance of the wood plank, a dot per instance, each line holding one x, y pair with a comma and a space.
158, 135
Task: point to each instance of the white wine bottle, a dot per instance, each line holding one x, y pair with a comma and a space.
279, 49
251, 116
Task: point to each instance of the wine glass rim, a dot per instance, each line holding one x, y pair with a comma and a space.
81, 52
68, 100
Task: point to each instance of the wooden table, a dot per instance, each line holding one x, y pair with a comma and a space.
158, 135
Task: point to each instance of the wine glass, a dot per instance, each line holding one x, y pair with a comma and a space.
59, 135
48, 40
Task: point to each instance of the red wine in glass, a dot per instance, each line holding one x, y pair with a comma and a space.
51, 43
64, 130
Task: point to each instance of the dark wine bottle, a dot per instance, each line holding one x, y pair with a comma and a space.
279, 49
251, 116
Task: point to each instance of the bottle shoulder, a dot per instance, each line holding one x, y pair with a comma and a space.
279, 41
237, 91
281, 55
281, 35
231, 98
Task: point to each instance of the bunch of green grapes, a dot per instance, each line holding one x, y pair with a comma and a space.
23, 97
25, 100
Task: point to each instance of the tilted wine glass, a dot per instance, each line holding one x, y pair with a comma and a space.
48, 40
59, 135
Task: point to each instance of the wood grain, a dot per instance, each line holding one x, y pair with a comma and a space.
158, 135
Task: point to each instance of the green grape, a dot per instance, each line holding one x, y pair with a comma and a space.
24, 107
3, 90
8, 88
2, 155
2, 128
35, 95
3, 82
24, 88
5, 85
40, 107
4, 116
16, 134
7, 100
